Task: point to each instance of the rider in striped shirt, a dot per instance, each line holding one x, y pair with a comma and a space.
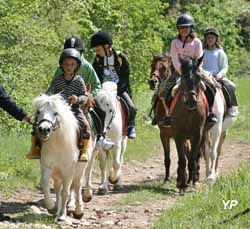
73, 90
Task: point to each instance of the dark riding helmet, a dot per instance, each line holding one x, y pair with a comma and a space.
70, 53
74, 42
101, 38
211, 30
185, 20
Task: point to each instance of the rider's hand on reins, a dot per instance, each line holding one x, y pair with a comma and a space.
73, 99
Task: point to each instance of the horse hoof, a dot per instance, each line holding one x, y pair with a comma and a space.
211, 179
181, 192
113, 181
102, 191
77, 216
86, 199
167, 179
70, 211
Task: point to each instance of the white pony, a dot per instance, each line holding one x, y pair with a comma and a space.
107, 100
217, 136
57, 127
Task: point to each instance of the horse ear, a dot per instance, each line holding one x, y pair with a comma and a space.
199, 61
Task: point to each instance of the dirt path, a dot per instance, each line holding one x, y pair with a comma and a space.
105, 211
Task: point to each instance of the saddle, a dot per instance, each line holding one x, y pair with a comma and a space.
226, 93
125, 108
125, 114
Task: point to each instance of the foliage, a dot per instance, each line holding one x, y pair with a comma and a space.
244, 35
221, 14
32, 33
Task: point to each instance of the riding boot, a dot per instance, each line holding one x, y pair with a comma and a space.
166, 121
84, 150
131, 129
211, 119
102, 143
34, 152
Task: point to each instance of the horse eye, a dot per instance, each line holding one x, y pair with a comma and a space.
38, 112
55, 113
107, 104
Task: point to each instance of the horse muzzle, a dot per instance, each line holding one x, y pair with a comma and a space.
44, 131
152, 84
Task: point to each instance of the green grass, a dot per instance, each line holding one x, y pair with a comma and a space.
241, 129
205, 209
149, 191
15, 171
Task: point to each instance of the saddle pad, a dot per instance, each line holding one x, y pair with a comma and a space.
123, 113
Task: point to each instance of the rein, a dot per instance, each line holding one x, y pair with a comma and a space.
112, 117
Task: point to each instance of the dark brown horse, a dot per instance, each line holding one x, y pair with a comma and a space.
160, 70
188, 121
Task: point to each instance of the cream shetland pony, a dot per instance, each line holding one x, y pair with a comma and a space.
57, 127
107, 101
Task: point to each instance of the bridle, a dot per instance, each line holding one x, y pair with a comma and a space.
55, 124
156, 76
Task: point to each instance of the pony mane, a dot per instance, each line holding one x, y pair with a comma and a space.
59, 105
110, 87
108, 93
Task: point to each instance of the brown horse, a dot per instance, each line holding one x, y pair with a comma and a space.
160, 70
188, 121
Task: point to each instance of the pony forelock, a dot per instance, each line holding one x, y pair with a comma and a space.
110, 86
107, 95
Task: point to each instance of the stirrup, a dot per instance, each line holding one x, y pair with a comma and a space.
165, 122
212, 118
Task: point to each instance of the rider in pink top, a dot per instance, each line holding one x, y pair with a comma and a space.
185, 45
192, 48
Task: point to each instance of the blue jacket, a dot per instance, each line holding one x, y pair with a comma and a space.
7, 103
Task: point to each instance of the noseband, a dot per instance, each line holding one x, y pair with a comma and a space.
55, 125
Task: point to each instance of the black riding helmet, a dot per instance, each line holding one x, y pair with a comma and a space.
70, 53
185, 20
211, 30
74, 42
101, 38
